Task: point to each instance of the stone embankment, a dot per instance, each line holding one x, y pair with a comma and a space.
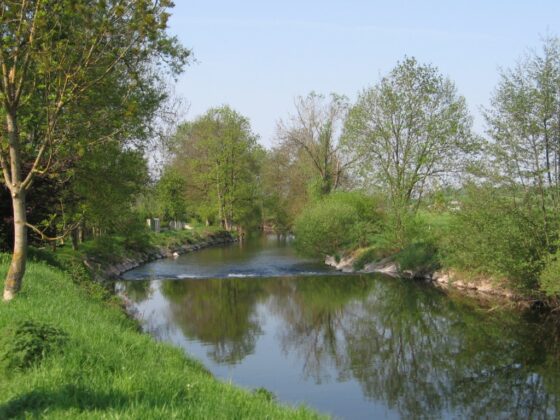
136, 259
444, 279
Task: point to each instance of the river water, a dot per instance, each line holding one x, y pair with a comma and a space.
353, 346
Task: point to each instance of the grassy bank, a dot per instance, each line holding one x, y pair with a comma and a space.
81, 356
110, 249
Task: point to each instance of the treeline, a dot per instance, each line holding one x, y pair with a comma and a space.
439, 195
398, 173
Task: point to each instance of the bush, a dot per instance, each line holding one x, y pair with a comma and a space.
368, 255
421, 257
493, 235
326, 228
549, 280
28, 342
336, 223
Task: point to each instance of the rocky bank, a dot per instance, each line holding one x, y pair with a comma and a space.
135, 259
444, 279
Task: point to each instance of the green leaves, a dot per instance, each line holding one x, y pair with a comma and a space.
409, 129
218, 157
336, 223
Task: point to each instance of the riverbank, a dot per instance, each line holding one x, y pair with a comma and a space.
107, 257
440, 278
68, 349
181, 244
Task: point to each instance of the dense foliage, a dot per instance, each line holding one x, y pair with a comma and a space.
398, 173
336, 223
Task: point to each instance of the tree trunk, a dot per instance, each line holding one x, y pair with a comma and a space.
19, 257
75, 236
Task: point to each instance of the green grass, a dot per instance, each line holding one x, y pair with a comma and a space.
112, 249
106, 368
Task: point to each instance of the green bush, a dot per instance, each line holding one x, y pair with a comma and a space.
420, 257
326, 228
493, 235
338, 222
27, 343
549, 280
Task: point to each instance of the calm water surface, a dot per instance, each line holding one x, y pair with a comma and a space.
351, 346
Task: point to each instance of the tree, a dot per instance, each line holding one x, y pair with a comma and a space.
171, 195
57, 59
524, 166
524, 124
118, 176
285, 175
218, 157
408, 129
315, 130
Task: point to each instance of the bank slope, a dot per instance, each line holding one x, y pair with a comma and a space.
105, 367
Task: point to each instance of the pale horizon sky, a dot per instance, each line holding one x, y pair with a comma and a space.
258, 56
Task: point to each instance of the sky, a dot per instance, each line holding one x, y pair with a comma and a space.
257, 56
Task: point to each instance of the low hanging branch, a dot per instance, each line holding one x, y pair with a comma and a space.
44, 237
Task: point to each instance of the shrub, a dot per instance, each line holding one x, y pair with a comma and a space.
28, 342
494, 235
326, 228
338, 222
368, 255
549, 280
420, 257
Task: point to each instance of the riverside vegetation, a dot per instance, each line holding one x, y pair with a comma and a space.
91, 146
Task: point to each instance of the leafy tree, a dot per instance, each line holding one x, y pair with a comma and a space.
284, 182
118, 175
218, 157
510, 226
408, 129
524, 124
314, 130
171, 190
65, 66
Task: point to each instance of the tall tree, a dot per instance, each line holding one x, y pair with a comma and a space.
56, 56
219, 158
171, 195
524, 124
315, 129
409, 128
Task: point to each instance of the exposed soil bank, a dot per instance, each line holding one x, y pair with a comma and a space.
444, 279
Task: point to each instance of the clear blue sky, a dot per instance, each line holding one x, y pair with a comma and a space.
258, 55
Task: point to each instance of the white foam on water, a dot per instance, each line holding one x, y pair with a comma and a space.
239, 275
188, 276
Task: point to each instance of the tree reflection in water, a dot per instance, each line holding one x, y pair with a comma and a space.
217, 312
411, 347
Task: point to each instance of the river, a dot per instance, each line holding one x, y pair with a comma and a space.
353, 346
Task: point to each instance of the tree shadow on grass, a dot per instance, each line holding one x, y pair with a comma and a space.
35, 403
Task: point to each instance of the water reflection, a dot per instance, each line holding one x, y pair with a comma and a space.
218, 313
411, 349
